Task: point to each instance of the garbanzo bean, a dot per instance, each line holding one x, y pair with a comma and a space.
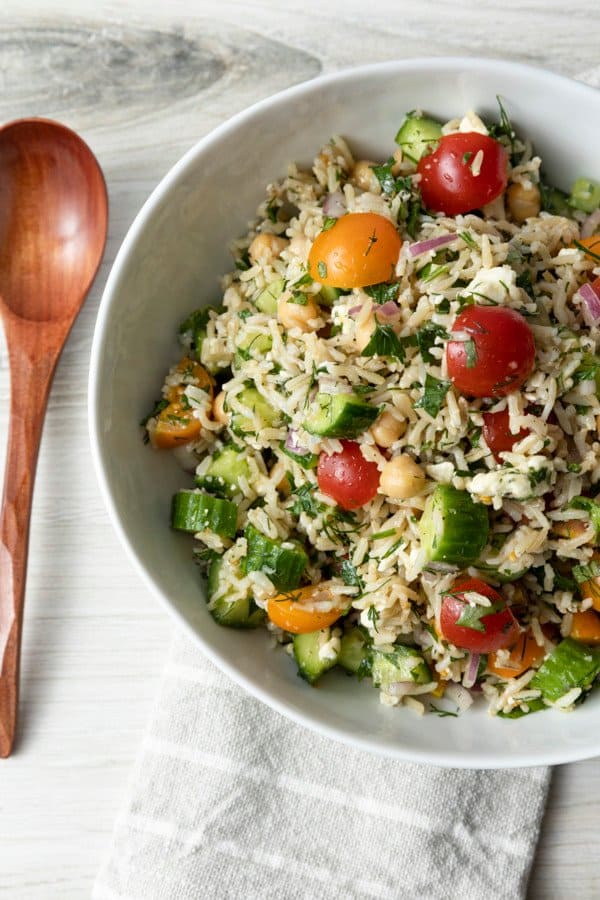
294, 315
265, 248
523, 202
363, 176
387, 429
401, 478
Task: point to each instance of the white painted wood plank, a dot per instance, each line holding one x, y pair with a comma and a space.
135, 79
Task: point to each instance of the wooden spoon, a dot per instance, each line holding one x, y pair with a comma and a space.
53, 220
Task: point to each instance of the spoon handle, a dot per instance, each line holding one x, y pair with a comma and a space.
30, 383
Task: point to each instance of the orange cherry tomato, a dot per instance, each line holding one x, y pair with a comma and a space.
590, 245
295, 612
193, 373
175, 426
525, 654
360, 249
586, 627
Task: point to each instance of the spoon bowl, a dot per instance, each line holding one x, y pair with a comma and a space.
53, 222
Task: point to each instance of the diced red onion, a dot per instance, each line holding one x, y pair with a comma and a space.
291, 442
388, 310
591, 304
400, 688
432, 244
460, 695
470, 676
591, 224
334, 205
354, 310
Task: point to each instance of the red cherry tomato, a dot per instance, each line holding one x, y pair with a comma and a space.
465, 171
501, 629
497, 433
497, 356
347, 477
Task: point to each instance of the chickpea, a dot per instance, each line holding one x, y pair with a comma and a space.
387, 429
364, 177
401, 478
293, 315
523, 203
364, 332
266, 247
218, 409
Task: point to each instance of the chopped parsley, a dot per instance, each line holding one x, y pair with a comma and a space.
442, 713
383, 293
434, 395
468, 239
329, 222
472, 615
322, 269
350, 576
373, 617
384, 342
592, 508
471, 353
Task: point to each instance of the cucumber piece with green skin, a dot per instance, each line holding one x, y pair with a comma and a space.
340, 416
353, 651
254, 345
570, 665
306, 653
400, 664
305, 460
266, 416
328, 295
454, 528
192, 511
418, 135
241, 612
283, 565
585, 195
227, 467
266, 302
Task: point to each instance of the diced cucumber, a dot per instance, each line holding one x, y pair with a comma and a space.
400, 664
241, 612
254, 345
328, 295
353, 651
226, 468
306, 460
570, 665
266, 416
196, 324
311, 665
585, 195
340, 416
192, 511
266, 302
454, 529
283, 565
418, 135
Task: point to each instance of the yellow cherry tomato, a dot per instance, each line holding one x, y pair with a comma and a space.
586, 627
175, 426
193, 373
360, 249
295, 611
525, 654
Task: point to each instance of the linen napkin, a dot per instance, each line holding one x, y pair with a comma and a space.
231, 800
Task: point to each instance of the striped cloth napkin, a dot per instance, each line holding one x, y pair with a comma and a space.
231, 801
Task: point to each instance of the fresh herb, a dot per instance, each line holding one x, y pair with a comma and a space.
524, 281
410, 212
390, 185
305, 279
427, 337
383, 293
467, 156
444, 306
592, 508
299, 298
383, 534
574, 467
363, 389
273, 207
393, 548
442, 712
471, 353
555, 201
329, 222
243, 262
322, 269
430, 272
537, 476
433, 395
472, 615
588, 251
159, 405
334, 522
384, 342
350, 576
505, 129
468, 239
372, 241
244, 313
373, 617
588, 369
304, 501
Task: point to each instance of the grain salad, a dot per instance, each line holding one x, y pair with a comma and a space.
392, 422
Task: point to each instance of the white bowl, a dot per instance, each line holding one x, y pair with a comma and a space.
170, 263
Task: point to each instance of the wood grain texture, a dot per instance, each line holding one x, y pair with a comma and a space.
94, 638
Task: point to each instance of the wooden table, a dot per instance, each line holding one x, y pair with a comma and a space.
141, 82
